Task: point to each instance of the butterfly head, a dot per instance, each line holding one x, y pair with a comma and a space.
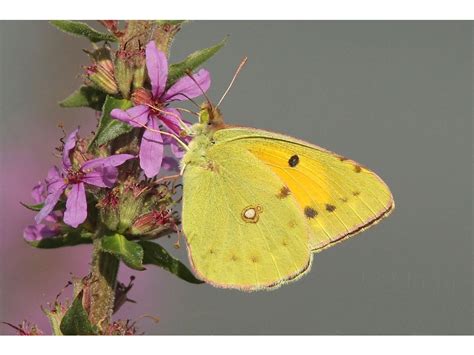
210, 115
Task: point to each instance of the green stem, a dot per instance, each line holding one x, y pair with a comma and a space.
104, 271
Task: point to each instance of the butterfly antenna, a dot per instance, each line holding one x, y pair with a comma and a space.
239, 68
187, 111
188, 73
186, 96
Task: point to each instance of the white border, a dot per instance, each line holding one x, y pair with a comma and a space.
238, 345
241, 9
238, 9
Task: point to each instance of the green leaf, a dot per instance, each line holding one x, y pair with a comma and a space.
85, 96
192, 62
76, 320
64, 239
60, 205
110, 128
36, 208
130, 252
82, 29
157, 255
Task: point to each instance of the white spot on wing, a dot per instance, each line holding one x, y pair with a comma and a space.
250, 213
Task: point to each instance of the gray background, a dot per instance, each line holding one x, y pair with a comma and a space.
395, 96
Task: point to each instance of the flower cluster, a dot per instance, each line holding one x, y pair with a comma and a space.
71, 179
151, 112
107, 190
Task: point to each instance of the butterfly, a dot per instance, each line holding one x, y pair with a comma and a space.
257, 205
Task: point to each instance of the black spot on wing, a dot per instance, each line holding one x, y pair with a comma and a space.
310, 212
293, 161
330, 208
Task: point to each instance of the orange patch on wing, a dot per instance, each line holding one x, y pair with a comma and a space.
306, 180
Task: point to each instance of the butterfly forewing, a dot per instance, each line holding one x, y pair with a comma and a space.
337, 196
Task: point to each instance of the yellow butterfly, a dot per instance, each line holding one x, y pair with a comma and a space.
257, 204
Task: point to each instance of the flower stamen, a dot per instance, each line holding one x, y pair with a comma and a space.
74, 176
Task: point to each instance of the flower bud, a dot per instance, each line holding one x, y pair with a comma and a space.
131, 205
107, 64
102, 76
108, 209
139, 74
138, 208
121, 206
123, 73
153, 223
101, 72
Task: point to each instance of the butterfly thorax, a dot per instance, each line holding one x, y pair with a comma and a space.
199, 145
210, 120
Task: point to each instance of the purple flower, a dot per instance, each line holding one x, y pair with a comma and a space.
38, 192
101, 172
41, 231
151, 108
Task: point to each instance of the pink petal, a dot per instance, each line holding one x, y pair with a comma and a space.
157, 67
102, 176
54, 216
76, 206
54, 181
136, 116
176, 149
68, 146
53, 173
171, 123
170, 120
39, 232
151, 150
186, 88
113, 160
49, 204
38, 192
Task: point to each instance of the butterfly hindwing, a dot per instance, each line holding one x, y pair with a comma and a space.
240, 232
338, 196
